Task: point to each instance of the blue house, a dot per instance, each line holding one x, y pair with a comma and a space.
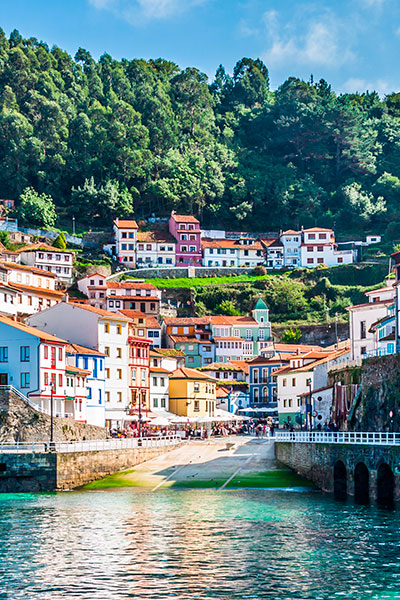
262, 386
92, 361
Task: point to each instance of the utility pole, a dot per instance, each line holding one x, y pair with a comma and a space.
336, 331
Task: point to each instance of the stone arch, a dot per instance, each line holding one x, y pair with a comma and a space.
385, 486
340, 480
361, 483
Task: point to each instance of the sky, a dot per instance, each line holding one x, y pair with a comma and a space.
353, 44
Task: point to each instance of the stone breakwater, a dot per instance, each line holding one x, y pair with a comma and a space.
53, 471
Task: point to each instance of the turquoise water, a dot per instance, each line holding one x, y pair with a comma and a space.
196, 544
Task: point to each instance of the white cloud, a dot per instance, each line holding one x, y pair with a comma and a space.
355, 84
135, 11
322, 43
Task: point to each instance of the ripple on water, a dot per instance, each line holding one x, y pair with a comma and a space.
243, 544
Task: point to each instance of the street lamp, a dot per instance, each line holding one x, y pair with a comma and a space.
140, 417
73, 225
51, 416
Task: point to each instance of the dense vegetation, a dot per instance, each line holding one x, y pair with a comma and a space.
114, 137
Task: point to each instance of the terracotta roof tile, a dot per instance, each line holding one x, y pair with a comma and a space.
185, 219
125, 224
78, 349
100, 311
43, 335
186, 373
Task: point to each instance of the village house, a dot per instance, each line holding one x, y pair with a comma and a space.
133, 295
318, 247
76, 393
191, 393
125, 236
155, 249
160, 369
48, 258
192, 336
100, 330
186, 231
144, 326
91, 362
139, 376
26, 290
33, 362
274, 253
220, 252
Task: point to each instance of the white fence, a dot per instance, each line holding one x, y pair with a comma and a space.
371, 438
89, 445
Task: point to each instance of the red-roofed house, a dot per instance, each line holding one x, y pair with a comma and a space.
125, 234
186, 231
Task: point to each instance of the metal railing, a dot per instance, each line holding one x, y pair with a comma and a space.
89, 445
27, 400
372, 438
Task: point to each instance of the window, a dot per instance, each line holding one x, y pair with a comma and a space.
119, 352
340, 259
363, 330
363, 349
119, 373
107, 373
106, 327
119, 396
60, 380
284, 382
310, 261
311, 236
255, 395
155, 402
143, 375
111, 304
107, 350
320, 260
293, 381
25, 353
320, 248
3, 353
60, 354
196, 386
25, 380
107, 396
322, 236
192, 248
155, 381
196, 405
248, 334
255, 376
162, 381
310, 249
119, 329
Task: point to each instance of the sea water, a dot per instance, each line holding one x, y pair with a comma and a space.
273, 544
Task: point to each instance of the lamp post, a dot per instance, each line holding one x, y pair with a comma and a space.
140, 417
51, 416
73, 225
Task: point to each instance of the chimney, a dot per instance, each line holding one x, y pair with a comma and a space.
66, 298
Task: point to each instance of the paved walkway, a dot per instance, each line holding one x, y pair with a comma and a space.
212, 463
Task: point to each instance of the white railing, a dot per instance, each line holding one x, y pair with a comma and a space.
372, 438
27, 400
89, 445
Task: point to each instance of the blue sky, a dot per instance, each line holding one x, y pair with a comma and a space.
354, 44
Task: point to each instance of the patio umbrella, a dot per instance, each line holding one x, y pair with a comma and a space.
159, 422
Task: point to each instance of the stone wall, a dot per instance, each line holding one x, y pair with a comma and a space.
320, 335
179, 272
19, 422
46, 472
77, 468
316, 462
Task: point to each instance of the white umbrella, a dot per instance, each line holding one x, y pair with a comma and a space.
159, 422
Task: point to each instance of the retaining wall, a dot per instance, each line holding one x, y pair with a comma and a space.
316, 462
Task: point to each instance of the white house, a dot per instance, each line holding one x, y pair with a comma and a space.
291, 242
125, 235
48, 258
275, 257
76, 393
220, 252
363, 317
155, 249
35, 288
318, 247
33, 361
100, 330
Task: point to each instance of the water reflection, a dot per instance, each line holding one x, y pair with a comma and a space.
196, 544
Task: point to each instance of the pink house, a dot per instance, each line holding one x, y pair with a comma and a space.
186, 231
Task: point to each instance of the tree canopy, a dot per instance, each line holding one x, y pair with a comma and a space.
106, 137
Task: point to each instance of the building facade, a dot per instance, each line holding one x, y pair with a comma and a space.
185, 229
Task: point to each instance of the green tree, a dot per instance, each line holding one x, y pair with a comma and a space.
60, 242
36, 210
227, 307
291, 335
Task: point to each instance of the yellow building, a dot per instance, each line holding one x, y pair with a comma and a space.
191, 393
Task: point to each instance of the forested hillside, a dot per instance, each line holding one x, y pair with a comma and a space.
114, 137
